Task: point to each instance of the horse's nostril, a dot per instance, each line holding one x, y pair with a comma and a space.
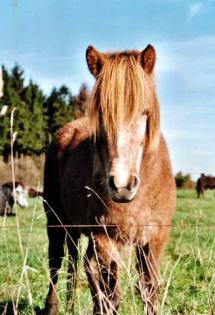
133, 183
136, 181
112, 184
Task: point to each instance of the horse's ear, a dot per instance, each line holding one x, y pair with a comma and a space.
95, 60
148, 58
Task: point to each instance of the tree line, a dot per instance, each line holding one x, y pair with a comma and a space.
184, 181
38, 116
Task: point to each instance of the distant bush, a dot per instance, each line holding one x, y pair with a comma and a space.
184, 181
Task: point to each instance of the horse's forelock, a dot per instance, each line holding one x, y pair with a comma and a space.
122, 91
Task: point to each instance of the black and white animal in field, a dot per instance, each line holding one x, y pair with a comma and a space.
8, 197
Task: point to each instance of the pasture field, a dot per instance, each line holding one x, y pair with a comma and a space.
187, 273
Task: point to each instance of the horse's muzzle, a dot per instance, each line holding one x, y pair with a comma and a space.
123, 194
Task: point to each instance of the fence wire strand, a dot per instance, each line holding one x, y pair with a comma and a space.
212, 226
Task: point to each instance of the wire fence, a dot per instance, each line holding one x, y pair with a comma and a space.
96, 226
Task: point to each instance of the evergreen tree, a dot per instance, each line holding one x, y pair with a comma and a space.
32, 121
1, 82
5, 120
29, 120
37, 117
17, 79
60, 109
81, 101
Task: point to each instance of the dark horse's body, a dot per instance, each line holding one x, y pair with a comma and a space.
204, 182
78, 193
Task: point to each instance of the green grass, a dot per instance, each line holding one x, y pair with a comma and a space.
187, 273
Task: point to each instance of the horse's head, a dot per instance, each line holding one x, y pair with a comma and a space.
124, 114
20, 196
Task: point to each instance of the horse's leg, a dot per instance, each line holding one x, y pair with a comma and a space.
56, 238
148, 260
72, 243
102, 272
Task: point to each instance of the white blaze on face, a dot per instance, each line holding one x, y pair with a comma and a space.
129, 152
21, 199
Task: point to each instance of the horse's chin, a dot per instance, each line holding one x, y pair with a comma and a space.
22, 205
122, 198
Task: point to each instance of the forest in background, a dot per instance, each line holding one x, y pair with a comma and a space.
38, 116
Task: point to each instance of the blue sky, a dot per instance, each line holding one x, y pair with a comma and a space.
49, 38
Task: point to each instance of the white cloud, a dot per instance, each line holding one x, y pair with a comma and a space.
194, 9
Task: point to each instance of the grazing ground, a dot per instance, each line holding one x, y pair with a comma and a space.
187, 273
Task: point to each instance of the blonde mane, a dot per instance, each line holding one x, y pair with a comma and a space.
123, 90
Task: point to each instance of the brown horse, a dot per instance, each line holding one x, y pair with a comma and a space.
109, 176
204, 182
